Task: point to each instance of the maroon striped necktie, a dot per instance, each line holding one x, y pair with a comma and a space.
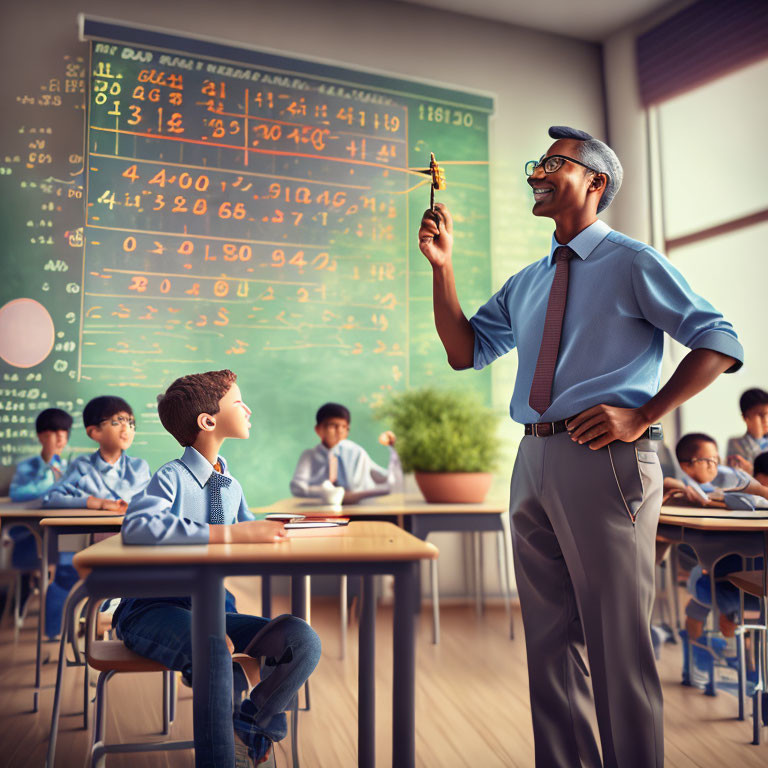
541, 387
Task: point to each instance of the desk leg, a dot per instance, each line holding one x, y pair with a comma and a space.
404, 663
266, 596
41, 615
366, 682
299, 596
211, 675
673, 577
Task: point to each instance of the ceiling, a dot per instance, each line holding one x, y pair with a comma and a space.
592, 20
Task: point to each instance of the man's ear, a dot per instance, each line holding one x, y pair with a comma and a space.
206, 422
91, 430
599, 181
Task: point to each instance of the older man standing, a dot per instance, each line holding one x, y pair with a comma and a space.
588, 322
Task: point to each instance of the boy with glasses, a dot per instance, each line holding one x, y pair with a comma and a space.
338, 462
107, 478
707, 480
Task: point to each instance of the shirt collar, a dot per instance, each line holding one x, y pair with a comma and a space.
585, 242
200, 468
104, 466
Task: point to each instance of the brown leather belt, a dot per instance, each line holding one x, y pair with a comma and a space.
547, 428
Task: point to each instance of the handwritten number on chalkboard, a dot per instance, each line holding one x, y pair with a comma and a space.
131, 173
138, 284
278, 258
129, 244
303, 294
229, 211
194, 290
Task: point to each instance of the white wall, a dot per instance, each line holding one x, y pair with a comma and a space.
537, 80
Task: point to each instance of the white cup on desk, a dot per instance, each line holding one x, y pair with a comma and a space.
332, 495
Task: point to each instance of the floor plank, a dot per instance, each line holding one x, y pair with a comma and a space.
471, 701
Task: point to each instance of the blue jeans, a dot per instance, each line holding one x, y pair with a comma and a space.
726, 594
161, 630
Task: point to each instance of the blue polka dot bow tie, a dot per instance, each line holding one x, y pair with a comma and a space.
215, 483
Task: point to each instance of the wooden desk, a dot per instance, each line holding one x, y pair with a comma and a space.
112, 569
52, 528
421, 518
713, 534
31, 517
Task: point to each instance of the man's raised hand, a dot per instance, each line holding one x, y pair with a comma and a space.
436, 235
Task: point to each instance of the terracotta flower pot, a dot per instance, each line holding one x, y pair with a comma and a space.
454, 487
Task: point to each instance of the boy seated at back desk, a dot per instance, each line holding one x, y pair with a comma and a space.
107, 478
706, 481
338, 461
743, 450
194, 500
32, 478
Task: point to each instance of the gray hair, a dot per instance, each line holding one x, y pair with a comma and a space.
598, 156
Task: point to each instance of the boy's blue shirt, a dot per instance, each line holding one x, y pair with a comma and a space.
92, 476
33, 477
175, 507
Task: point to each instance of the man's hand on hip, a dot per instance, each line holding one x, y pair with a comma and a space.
603, 424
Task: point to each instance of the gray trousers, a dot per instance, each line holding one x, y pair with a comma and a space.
583, 532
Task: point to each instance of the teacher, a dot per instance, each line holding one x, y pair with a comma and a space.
588, 321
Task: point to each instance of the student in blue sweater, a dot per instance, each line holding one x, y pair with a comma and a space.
195, 500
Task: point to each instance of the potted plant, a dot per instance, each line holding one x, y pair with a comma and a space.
447, 439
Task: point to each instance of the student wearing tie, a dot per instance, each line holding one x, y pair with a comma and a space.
195, 500
588, 321
338, 461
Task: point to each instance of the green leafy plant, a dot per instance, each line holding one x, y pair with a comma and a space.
442, 431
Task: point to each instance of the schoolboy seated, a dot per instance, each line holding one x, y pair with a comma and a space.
761, 468
107, 478
743, 450
338, 461
195, 500
32, 478
705, 479
35, 475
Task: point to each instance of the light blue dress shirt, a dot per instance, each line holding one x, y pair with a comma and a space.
92, 476
357, 471
33, 477
747, 447
622, 297
175, 507
729, 480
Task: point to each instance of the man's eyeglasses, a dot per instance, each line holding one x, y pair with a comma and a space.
551, 164
118, 421
714, 462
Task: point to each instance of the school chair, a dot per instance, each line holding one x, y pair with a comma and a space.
753, 583
108, 657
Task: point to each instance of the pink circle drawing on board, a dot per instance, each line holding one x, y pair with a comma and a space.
26, 333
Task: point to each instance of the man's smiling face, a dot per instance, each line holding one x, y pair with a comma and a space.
565, 190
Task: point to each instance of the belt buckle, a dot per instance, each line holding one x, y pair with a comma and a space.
542, 429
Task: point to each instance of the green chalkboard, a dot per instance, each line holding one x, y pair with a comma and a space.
244, 210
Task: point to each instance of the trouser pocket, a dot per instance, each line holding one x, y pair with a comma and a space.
624, 458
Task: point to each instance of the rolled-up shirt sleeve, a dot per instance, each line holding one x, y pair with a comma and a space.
493, 329
667, 302
153, 516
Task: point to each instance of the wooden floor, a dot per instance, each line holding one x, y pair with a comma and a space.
471, 702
